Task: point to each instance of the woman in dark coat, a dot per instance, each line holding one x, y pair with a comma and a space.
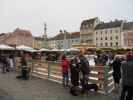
116, 72
74, 69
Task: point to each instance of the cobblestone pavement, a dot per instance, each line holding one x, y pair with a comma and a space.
40, 89
5, 96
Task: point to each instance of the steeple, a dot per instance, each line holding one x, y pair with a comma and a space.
45, 30
45, 37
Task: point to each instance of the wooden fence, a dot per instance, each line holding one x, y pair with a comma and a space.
100, 75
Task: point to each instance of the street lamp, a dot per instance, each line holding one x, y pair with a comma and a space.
65, 42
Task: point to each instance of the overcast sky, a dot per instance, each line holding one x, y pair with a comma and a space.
59, 14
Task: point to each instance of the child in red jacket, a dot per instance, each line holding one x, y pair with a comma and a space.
65, 67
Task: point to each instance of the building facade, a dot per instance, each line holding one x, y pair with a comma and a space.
114, 34
64, 40
38, 42
108, 35
18, 37
52, 43
87, 29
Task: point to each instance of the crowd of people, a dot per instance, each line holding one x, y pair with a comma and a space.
7, 63
80, 69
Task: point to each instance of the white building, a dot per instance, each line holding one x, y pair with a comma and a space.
108, 35
114, 34
87, 29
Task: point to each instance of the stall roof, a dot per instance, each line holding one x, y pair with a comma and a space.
44, 49
25, 48
6, 47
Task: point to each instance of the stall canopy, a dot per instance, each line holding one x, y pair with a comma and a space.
72, 49
6, 47
25, 48
43, 49
55, 49
64, 50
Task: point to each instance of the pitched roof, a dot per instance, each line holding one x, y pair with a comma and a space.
88, 22
61, 36
22, 32
39, 38
4, 37
75, 35
109, 25
128, 26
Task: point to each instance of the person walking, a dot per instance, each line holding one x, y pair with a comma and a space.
127, 78
65, 67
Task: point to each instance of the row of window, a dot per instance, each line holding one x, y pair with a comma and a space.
107, 31
71, 41
87, 26
106, 38
108, 44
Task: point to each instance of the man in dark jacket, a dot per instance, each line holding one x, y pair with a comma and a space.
127, 79
74, 69
84, 67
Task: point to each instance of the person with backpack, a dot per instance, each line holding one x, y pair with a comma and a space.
65, 67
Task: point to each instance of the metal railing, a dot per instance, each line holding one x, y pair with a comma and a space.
100, 75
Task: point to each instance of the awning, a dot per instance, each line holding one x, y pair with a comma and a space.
6, 47
25, 48
43, 49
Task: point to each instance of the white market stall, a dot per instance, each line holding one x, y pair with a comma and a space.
25, 48
6, 47
43, 50
72, 49
55, 49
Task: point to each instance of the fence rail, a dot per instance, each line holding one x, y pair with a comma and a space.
100, 75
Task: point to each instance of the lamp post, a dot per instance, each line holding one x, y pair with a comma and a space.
70, 40
65, 42
65, 39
